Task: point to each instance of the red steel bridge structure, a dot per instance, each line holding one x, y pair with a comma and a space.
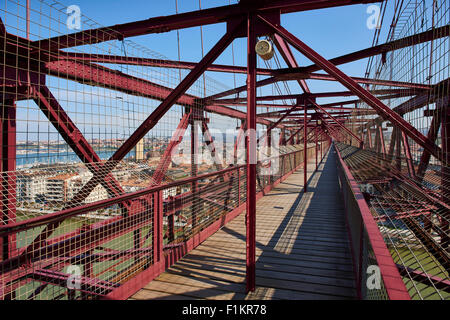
124, 222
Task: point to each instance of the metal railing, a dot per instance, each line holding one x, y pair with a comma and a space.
111, 248
377, 276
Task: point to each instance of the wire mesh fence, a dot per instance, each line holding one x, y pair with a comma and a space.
413, 223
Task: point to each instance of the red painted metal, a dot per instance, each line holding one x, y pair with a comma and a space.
74, 138
185, 20
383, 48
316, 144
409, 160
132, 286
335, 120
432, 135
80, 68
209, 141
305, 152
8, 178
393, 282
291, 74
445, 174
194, 165
287, 141
166, 159
159, 112
383, 145
354, 56
365, 95
399, 91
251, 156
275, 124
369, 138
112, 59
287, 55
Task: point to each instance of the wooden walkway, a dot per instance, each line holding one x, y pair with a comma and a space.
302, 249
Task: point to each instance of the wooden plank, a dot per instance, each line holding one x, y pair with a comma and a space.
302, 249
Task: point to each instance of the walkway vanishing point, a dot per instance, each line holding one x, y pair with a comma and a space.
302, 249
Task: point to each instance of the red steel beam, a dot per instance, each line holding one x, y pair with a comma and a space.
409, 160
305, 153
73, 136
161, 110
115, 80
289, 74
105, 168
350, 84
336, 121
440, 89
400, 92
287, 55
251, 156
166, 159
210, 144
432, 135
275, 124
8, 181
279, 112
184, 20
93, 74
354, 56
383, 145
422, 37
149, 62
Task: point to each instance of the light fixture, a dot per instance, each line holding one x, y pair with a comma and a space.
264, 49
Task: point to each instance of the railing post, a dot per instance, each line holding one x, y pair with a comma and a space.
239, 187
445, 173
317, 141
251, 154
305, 151
194, 167
8, 175
360, 259
158, 229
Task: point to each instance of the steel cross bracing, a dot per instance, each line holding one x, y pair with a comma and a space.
26, 64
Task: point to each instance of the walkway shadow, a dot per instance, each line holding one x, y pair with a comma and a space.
312, 233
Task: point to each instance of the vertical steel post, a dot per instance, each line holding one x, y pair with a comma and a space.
8, 171
432, 135
305, 151
283, 137
321, 151
445, 173
28, 19
269, 154
398, 151
194, 168
383, 145
251, 154
158, 207
407, 150
317, 141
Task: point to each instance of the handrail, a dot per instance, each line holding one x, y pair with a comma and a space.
364, 224
66, 213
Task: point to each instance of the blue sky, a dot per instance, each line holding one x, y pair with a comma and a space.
331, 32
